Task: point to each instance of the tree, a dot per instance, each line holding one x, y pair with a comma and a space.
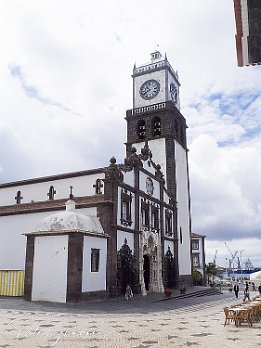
212, 271
197, 277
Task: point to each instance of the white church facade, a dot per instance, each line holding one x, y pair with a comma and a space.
89, 234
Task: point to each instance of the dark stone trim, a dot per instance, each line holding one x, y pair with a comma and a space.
186, 280
65, 232
170, 167
94, 295
154, 109
53, 205
110, 214
203, 261
126, 229
29, 263
53, 177
171, 239
136, 250
74, 267
146, 196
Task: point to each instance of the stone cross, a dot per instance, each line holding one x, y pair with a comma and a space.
18, 197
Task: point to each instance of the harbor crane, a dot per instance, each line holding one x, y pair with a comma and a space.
233, 256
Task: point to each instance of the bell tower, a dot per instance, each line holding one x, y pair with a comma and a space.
155, 119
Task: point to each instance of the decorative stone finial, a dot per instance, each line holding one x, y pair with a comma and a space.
113, 161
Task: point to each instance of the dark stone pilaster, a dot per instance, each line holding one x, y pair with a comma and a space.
170, 167
74, 267
136, 251
112, 176
29, 263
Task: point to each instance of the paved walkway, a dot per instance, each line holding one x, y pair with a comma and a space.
143, 322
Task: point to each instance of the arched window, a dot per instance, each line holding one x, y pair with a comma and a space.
156, 126
141, 129
18, 197
51, 193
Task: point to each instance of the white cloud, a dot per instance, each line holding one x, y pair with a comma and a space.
225, 188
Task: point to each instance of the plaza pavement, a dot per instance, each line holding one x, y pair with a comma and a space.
143, 322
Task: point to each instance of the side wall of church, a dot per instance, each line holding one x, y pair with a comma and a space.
82, 186
183, 210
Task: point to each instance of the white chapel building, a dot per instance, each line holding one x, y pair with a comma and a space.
89, 234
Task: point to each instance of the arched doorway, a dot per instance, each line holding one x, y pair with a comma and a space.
169, 269
146, 271
125, 268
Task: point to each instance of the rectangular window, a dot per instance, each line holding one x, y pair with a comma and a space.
145, 208
195, 260
155, 218
126, 200
95, 260
195, 245
180, 235
124, 212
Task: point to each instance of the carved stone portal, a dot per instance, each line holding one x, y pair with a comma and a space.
150, 264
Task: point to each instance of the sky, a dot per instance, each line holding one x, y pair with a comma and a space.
65, 86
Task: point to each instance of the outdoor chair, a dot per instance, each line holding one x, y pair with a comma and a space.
229, 315
256, 313
244, 316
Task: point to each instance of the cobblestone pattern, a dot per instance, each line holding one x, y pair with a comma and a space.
136, 323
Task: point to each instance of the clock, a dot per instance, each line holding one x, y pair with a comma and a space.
149, 89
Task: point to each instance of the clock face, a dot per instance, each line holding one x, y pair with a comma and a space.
149, 89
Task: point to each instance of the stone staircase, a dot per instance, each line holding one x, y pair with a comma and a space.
193, 292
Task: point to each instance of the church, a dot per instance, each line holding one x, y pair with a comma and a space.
90, 234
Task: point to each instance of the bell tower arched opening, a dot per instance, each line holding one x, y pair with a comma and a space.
141, 129
156, 126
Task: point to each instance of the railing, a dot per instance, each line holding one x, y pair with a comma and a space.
11, 283
150, 108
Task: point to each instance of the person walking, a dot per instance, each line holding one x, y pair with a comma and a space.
246, 294
128, 293
259, 289
236, 290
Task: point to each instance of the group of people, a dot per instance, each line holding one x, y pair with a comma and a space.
246, 290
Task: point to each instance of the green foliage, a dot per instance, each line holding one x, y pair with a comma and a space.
197, 277
212, 270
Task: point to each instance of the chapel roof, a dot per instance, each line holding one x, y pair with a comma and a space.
69, 221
